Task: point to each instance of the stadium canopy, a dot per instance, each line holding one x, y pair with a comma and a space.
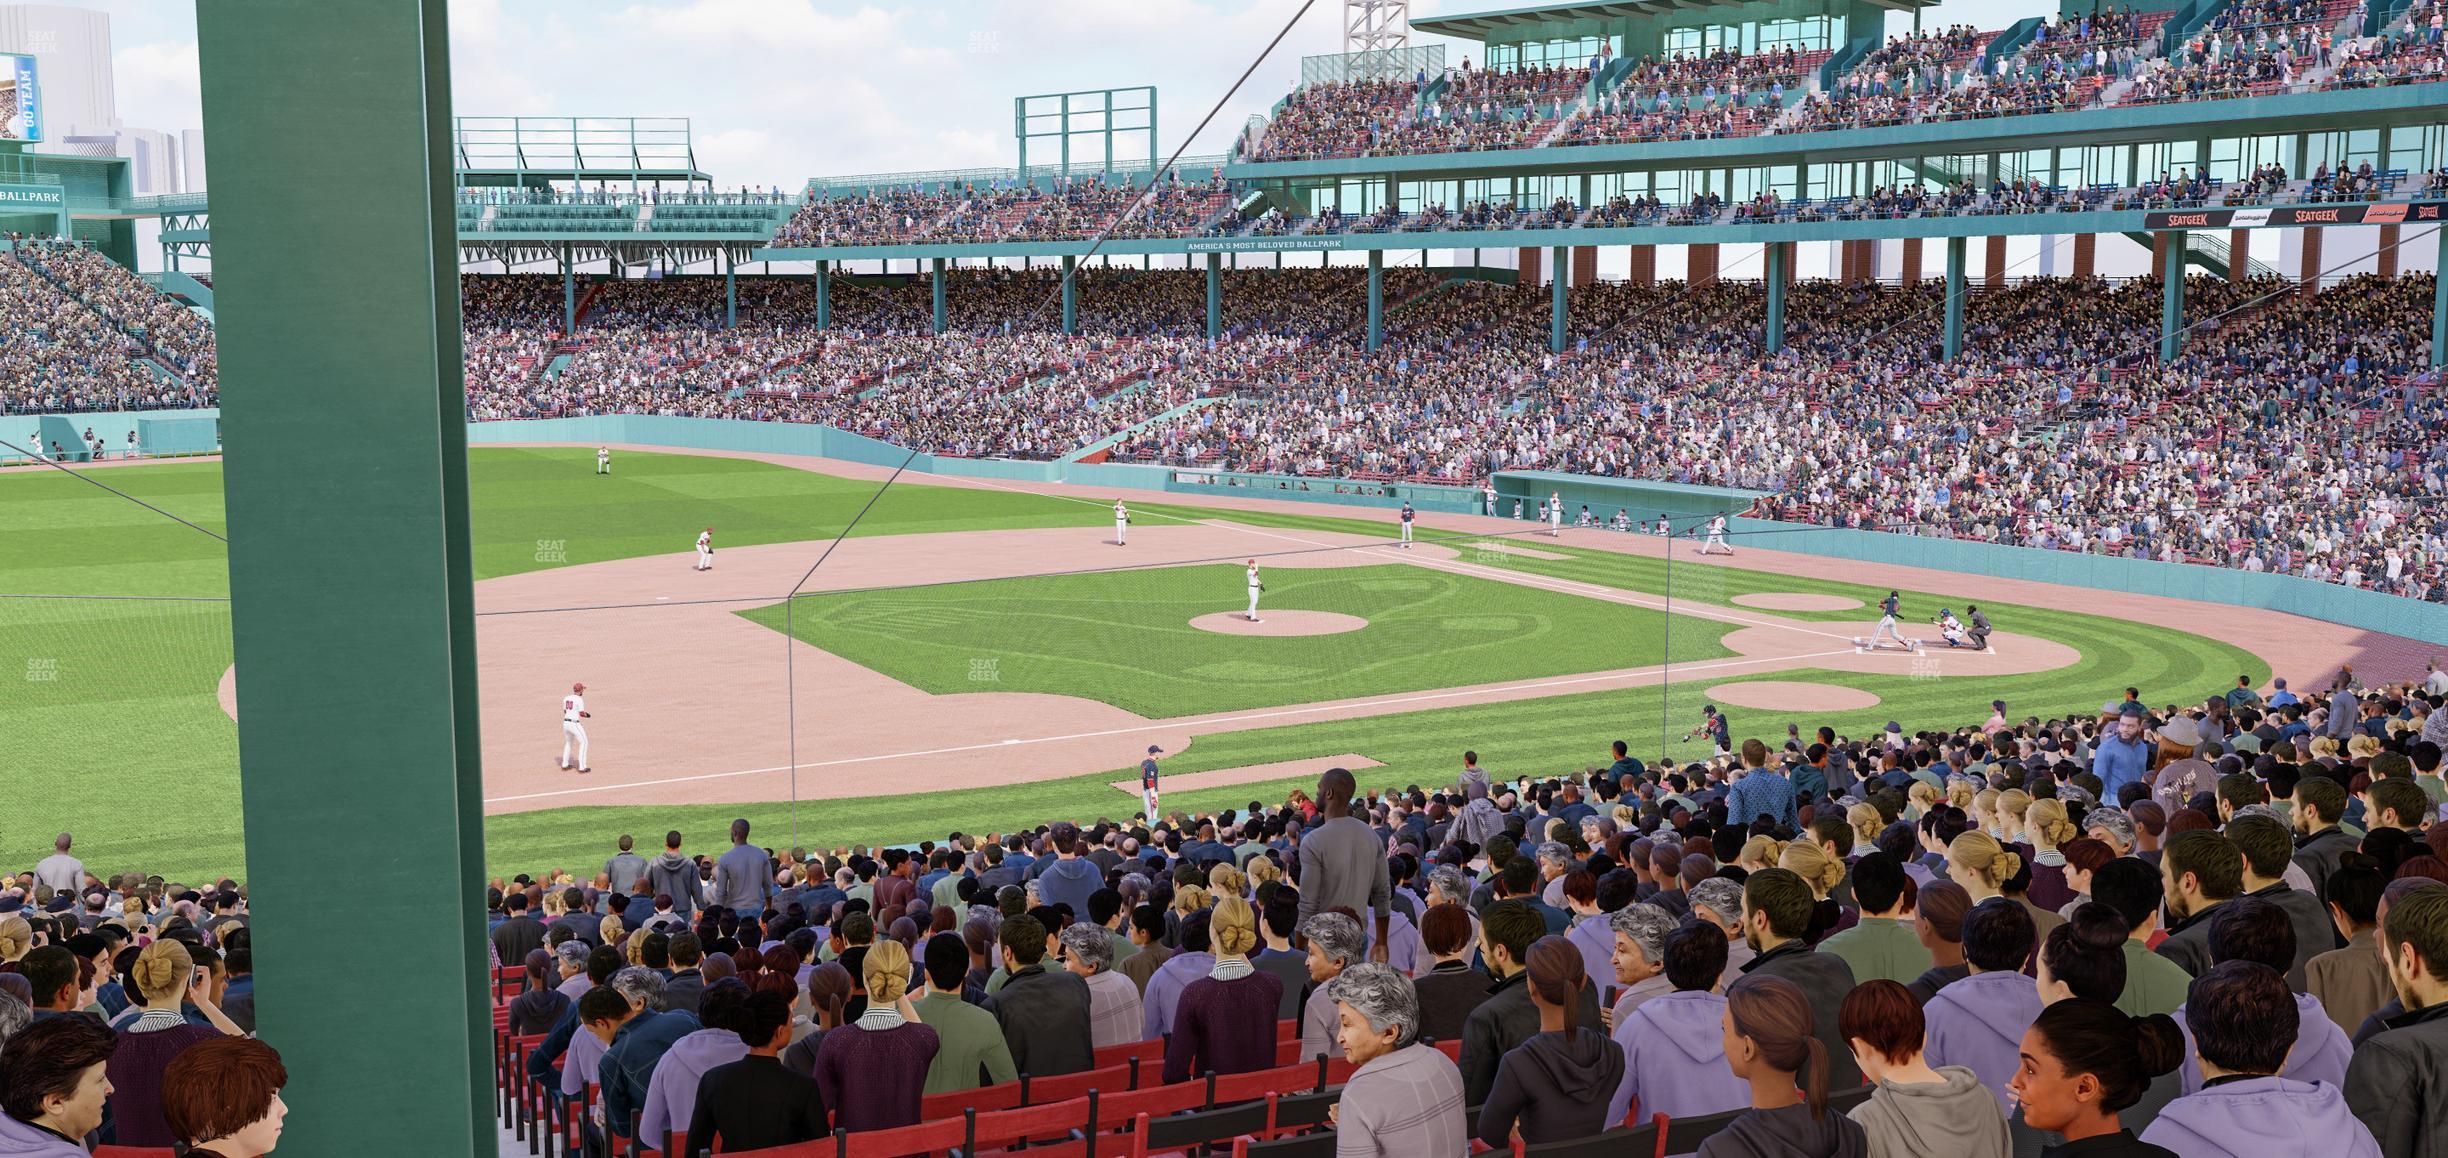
531, 152
1499, 24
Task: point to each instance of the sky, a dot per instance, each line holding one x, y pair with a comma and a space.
778, 91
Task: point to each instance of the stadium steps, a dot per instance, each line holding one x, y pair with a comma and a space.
155, 357
2209, 251
1110, 441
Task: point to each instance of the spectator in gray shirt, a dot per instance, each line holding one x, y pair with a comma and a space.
626, 867
743, 878
1343, 863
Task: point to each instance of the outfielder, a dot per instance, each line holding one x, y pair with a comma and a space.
1406, 524
705, 549
1716, 544
1147, 781
1887, 624
1121, 524
1254, 588
573, 709
603, 460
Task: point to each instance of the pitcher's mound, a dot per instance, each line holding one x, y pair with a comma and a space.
1279, 623
1796, 601
1781, 695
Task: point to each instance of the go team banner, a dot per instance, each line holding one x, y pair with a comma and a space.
2296, 216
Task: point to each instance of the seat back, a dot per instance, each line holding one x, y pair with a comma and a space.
1318, 1145
1296, 1078
1182, 1131
1048, 1121
133, 1152
1301, 1111
1684, 1135
1148, 1052
1639, 1142
940, 1136
1064, 1087
1115, 1111
954, 1104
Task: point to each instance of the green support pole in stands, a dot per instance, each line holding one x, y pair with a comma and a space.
1777, 258
1561, 274
730, 292
385, 596
2439, 304
1215, 296
2171, 300
1376, 299
940, 312
569, 295
824, 295
1954, 297
1070, 288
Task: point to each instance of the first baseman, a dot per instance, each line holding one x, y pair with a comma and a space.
573, 709
1254, 588
705, 549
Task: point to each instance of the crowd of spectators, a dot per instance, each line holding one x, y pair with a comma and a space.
2178, 929
1082, 206
60, 355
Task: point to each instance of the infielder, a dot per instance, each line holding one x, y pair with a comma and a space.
603, 460
573, 709
1555, 515
1716, 544
1121, 524
1489, 489
1887, 623
1147, 782
705, 549
1406, 525
1254, 588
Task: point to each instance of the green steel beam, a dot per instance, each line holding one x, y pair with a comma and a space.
731, 293
1070, 294
1559, 277
381, 601
2171, 300
824, 295
942, 314
2439, 303
1376, 299
569, 295
1778, 258
1954, 297
1215, 296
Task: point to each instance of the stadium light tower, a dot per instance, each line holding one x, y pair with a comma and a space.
1376, 31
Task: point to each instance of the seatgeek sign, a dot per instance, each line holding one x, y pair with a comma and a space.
2297, 216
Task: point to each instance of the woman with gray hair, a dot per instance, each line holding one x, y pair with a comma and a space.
1405, 1098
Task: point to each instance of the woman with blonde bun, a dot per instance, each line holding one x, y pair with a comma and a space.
2047, 828
16, 939
1918, 800
2010, 807
1758, 853
873, 1070
167, 982
1980, 864
1867, 822
1811, 861
1225, 1022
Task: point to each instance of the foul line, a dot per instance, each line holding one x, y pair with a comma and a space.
1203, 722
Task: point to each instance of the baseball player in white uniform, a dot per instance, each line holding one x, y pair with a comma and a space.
1716, 544
1555, 515
1121, 523
1489, 490
1406, 525
603, 460
1254, 588
705, 549
573, 709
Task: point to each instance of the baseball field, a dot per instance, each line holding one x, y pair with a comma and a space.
981, 656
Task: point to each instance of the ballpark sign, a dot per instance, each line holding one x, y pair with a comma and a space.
2295, 216
36, 196
1262, 244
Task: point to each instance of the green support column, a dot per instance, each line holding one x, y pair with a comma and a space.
824, 295
569, 295
1562, 269
1775, 337
1215, 296
2439, 305
1376, 299
1954, 297
1070, 295
382, 601
2171, 301
941, 314
730, 293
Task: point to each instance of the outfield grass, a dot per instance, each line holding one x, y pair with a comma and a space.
117, 711
1124, 637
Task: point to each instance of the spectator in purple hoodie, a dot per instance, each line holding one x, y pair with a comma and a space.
2243, 1027
1976, 1022
2252, 929
1674, 1058
671, 1094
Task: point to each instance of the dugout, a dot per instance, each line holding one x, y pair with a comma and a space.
1683, 504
